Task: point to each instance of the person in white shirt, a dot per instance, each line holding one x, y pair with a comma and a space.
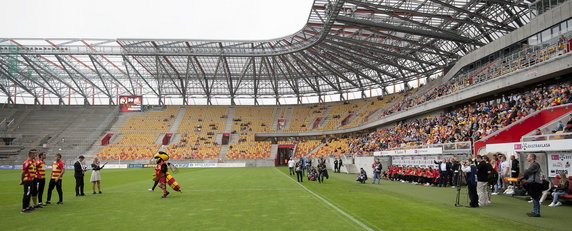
291, 165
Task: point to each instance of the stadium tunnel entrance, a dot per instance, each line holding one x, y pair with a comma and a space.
285, 151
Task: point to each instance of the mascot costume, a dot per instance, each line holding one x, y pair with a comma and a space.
162, 175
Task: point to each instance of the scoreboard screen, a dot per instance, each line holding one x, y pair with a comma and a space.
130, 103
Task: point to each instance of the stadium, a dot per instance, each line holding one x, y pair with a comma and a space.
411, 92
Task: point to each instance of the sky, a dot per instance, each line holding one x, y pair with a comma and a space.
153, 19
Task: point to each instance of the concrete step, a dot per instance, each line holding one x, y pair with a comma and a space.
273, 151
223, 152
180, 116
229, 120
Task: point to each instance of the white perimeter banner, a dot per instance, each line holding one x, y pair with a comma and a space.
419, 161
421, 151
116, 165
210, 165
533, 146
558, 163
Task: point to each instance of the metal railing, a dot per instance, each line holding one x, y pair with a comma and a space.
555, 136
457, 146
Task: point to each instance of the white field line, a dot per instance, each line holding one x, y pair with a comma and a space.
328, 203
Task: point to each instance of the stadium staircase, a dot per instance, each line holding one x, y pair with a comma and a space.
356, 114
276, 117
288, 118
178, 120
229, 120
313, 150
223, 152
294, 151
159, 140
273, 151
228, 129
114, 127
21, 117
173, 129
79, 136
515, 131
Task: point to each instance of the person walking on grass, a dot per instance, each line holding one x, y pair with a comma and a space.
291, 166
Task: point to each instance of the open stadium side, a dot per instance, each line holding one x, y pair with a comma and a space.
411, 93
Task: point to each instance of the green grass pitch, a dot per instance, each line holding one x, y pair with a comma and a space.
264, 199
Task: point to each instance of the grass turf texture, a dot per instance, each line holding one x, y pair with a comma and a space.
264, 199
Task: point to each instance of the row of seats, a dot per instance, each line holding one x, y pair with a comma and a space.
249, 150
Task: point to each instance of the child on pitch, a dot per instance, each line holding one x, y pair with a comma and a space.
162, 174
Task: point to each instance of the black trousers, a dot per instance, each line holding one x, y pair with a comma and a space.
58, 185
443, 179
473, 195
291, 171
29, 192
40, 184
299, 176
79, 185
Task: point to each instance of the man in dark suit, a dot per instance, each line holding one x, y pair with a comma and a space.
79, 170
443, 174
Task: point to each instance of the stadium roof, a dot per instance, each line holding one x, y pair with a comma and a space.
346, 46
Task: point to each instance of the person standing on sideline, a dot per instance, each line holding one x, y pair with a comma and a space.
377, 172
95, 177
482, 181
27, 180
41, 176
515, 167
299, 168
340, 164
336, 165
442, 173
79, 171
58, 169
471, 171
533, 184
291, 165
322, 171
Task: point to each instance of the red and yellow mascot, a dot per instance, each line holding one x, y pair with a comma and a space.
162, 174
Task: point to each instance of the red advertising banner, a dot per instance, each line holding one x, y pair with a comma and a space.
130, 103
